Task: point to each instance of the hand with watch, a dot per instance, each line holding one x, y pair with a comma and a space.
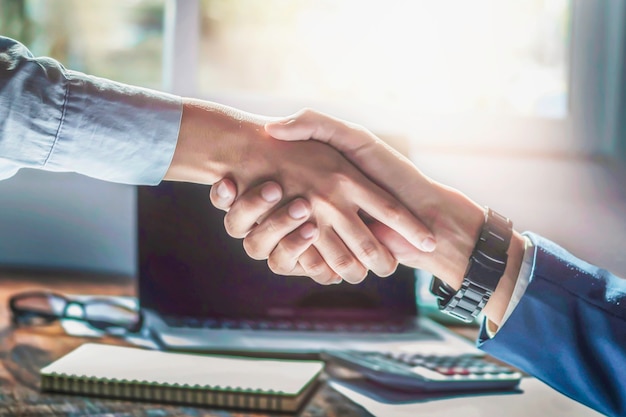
477, 262
472, 245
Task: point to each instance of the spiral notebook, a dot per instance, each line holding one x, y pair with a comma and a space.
191, 379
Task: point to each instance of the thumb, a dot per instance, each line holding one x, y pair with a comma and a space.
223, 194
309, 124
291, 128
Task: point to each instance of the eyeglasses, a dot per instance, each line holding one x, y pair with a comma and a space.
37, 308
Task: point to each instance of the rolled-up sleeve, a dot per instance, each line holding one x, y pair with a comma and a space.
55, 119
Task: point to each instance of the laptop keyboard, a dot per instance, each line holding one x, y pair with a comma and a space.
290, 325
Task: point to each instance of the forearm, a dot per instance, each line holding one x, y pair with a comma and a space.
60, 120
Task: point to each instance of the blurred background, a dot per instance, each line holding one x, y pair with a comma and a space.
516, 103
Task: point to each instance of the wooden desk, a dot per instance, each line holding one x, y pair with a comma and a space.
23, 351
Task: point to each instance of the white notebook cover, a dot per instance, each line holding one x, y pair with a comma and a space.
117, 363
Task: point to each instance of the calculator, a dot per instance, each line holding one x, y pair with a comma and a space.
414, 372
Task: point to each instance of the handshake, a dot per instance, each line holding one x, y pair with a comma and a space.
320, 197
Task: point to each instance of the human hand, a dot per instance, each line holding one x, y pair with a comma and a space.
445, 211
283, 235
455, 219
217, 142
287, 237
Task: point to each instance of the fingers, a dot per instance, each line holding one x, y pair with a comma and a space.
389, 211
364, 245
295, 255
347, 249
338, 256
277, 240
243, 216
262, 240
316, 267
352, 141
284, 258
223, 194
403, 251
288, 251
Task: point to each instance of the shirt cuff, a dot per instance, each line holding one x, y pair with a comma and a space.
115, 132
523, 279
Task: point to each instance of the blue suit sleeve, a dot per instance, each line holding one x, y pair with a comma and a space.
569, 329
55, 119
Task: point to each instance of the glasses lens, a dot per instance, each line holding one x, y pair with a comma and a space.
39, 308
104, 313
41, 302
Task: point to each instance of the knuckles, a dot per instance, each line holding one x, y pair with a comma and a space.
368, 250
344, 262
316, 268
376, 257
393, 211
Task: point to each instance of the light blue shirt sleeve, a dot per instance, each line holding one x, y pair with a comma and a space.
55, 119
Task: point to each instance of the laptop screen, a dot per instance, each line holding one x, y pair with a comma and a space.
189, 266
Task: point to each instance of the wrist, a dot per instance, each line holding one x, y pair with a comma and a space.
457, 225
213, 141
499, 301
456, 222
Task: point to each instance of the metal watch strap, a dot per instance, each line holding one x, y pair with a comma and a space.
484, 270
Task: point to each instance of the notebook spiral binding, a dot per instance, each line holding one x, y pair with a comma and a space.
230, 397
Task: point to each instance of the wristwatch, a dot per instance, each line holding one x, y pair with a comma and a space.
484, 270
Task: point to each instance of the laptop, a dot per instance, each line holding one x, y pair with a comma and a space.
199, 291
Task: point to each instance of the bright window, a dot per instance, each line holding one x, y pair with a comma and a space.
531, 75
421, 56
117, 39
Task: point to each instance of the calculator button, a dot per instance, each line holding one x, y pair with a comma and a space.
444, 370
460, 371
428, 373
